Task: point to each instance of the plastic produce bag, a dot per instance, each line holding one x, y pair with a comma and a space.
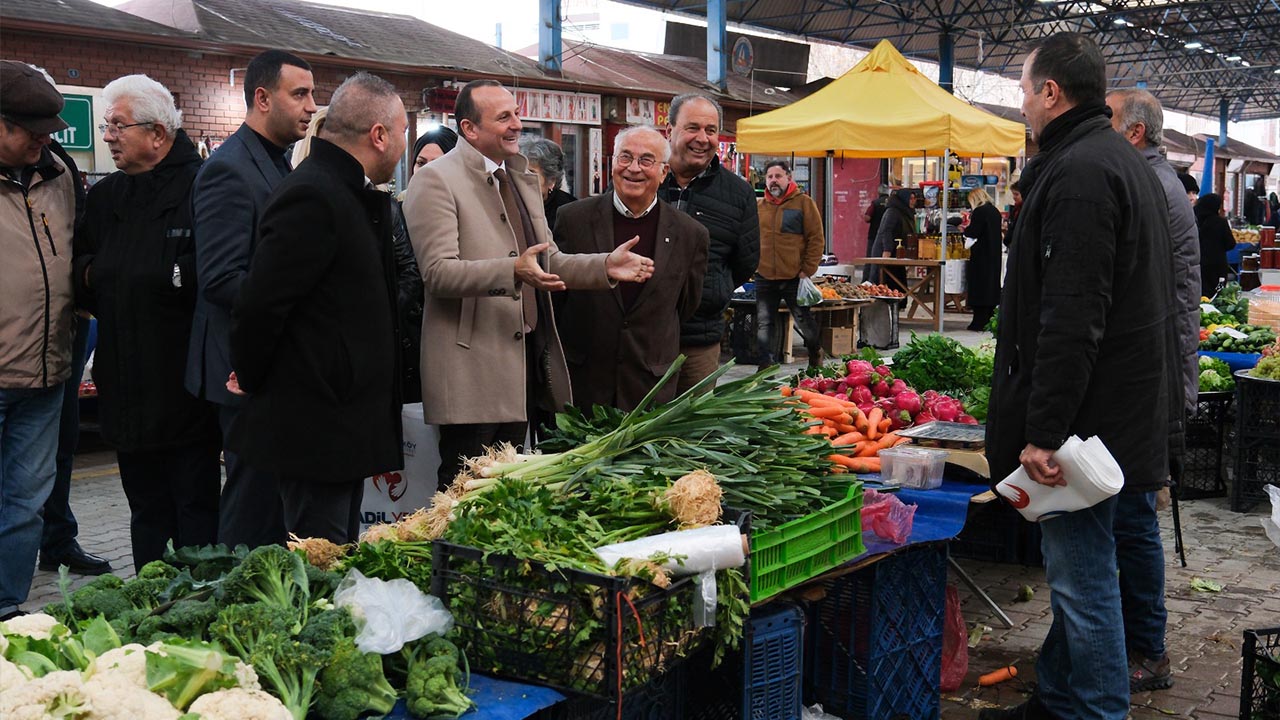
815, 713
807, 294
887, 516
1272, 524
955, 644
390, 613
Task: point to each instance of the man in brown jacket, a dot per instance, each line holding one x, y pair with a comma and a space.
791, 243
621, 341
37, 218
491, 357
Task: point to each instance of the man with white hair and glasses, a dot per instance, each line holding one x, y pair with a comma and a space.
136, 273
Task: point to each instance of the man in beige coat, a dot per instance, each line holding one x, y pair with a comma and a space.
491, 357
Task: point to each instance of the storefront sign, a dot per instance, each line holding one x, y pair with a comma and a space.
641, 111
77, 113
553, 106
662, 114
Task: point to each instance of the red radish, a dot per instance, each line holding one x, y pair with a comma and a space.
810, 384
866, 407
899, 419
947, 411
842, 388
967, 419
899, 386
884, 370
886, 404
924, 417
857, 366
930, 395
861, 394
827, 385
908, 401
860, 377
880, 389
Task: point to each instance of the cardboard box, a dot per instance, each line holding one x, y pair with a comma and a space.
837, 341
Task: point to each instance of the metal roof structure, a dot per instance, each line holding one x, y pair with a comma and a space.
1192, 54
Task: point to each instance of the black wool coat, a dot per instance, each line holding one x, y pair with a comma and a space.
135, 242
725, 204
984, 257
1087, 342
313, 339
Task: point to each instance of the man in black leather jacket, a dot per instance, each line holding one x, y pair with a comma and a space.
726, 205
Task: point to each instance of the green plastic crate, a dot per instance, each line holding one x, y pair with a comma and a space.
807, 547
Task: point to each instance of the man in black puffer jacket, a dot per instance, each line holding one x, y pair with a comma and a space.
1086, 347
726, 205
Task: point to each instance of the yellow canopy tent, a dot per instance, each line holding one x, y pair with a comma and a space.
883, 107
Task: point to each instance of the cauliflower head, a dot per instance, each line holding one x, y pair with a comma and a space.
11, 675
113, 697
37, 625
57, 694
128, 661
239, 704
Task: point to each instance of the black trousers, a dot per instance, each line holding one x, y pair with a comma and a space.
458, 442
251, 510
768, 294
60, 527
321, 508
173, 495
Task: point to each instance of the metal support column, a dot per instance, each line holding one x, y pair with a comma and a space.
717, 53
549, 44
946, 61
1223, 108
829, 198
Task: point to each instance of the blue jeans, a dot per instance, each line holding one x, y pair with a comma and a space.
1140, 557
1083, 671
60, 527
768, 294
28, 444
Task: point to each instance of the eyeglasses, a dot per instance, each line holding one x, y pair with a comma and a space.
117, 127
645, 161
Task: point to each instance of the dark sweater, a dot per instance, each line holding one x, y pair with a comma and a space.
625, 228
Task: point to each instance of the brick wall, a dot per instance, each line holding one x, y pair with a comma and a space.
211, 108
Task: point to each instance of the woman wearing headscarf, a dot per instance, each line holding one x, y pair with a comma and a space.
984, 258
1215, 240
899, 221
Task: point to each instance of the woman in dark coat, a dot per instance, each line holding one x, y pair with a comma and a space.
1215, 240
898, 222
984, 258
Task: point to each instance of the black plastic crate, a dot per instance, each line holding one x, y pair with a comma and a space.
995, 532
662, 698
1260, 677
874, 642
1204, 462
1257, 464
597, 636
1258, 406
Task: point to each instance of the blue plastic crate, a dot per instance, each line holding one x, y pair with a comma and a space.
772, 670
874, 645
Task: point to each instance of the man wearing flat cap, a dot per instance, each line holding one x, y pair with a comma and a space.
37, 219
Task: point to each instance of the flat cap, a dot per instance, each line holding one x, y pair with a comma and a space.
28, 99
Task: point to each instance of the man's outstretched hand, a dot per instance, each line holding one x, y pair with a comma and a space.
626, 266
530, 273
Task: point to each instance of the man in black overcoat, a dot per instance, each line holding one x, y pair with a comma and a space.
314, 342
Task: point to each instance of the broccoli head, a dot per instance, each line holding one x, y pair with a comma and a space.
157, 570
324, 630
353, 684
101, 596
241, 628
324, 583
270, 574
191, 618
432, 687
145, 593
288, 669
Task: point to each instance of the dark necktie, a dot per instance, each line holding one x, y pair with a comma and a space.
524, 237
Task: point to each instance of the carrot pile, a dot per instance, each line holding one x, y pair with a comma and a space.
856, 436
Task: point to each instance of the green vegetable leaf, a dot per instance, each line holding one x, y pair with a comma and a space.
1202, 585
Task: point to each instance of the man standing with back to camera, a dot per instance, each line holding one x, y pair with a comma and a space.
1083, 308
229, 195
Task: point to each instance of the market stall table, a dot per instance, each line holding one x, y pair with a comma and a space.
830, 314
924, 293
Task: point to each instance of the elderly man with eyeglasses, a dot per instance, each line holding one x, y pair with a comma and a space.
135, 269
619, 342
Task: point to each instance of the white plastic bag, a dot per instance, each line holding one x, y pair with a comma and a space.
390, 613
815, 713
807, 294
1272, 524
